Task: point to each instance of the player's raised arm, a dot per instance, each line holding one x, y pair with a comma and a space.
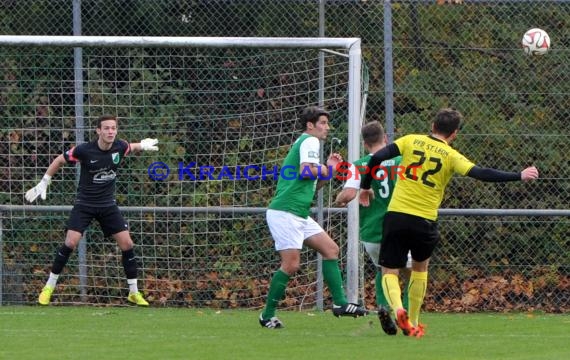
41, 188
147, 144
345, 196
385, 153
494, 175
350, 188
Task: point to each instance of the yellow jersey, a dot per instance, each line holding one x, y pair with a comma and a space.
427, 164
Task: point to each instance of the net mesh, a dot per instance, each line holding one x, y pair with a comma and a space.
225, 119
461, 53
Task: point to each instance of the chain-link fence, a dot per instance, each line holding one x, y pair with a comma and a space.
464, 54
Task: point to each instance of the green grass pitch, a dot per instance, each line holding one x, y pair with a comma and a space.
33, 332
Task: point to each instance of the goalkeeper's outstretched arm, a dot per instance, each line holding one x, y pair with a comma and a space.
41, 188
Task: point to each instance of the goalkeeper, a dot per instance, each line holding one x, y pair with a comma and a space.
371, 218
100, 160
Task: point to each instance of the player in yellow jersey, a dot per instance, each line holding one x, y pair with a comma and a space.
411, 221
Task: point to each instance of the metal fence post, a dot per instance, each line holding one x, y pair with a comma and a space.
80, 135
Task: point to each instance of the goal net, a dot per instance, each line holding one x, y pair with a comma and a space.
225, 112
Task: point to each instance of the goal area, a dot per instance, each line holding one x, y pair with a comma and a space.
225, 111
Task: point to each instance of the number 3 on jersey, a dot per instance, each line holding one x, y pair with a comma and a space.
434, 166
383, 184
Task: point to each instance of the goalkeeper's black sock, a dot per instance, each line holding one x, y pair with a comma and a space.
61, 258
130, 264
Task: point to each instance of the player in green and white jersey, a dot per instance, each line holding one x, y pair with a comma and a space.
291, 226
371, 218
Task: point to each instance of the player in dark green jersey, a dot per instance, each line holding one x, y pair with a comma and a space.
371, 218
291, 226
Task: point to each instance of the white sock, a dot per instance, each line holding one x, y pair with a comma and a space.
52, 281
133, 287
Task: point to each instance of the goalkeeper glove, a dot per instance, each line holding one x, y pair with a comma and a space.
149, 144
39, 190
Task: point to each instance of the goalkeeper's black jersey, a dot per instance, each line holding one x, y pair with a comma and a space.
98, 171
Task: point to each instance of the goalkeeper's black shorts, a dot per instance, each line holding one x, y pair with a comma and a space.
109, 218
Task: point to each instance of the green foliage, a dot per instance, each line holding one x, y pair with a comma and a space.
204, 108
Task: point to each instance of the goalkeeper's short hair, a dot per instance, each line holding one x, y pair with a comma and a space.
104, 118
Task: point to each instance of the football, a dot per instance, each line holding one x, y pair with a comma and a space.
535, 42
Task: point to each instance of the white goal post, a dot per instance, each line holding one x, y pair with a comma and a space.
97, 91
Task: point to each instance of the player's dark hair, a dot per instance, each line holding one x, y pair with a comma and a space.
104, 118
312, 114
372, 133
447, 121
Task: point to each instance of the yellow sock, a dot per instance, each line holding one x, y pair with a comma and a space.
416, 294
391, 287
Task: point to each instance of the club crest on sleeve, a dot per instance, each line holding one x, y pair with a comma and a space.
314, 154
